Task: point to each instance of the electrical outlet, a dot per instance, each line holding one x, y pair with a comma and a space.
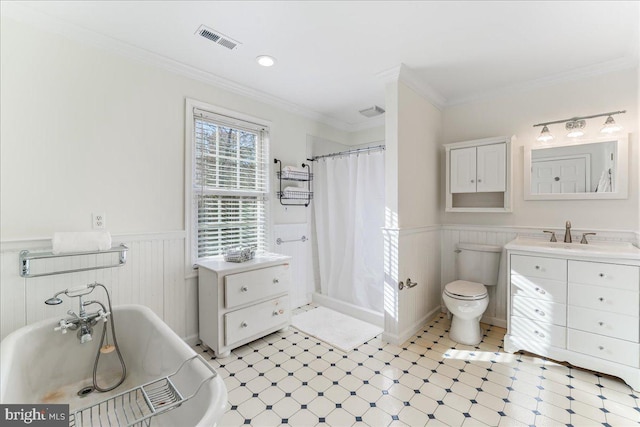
98, 221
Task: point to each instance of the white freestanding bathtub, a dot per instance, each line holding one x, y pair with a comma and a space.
38, 365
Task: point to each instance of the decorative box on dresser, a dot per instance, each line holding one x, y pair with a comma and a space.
574, 303
241, 302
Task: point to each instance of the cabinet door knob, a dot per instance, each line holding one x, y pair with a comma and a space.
472, 181
244, 324
276, 281
244, 289
479, 180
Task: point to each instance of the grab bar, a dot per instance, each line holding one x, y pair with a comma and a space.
26, 257
279, 241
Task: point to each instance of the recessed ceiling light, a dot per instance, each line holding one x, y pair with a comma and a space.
266, 60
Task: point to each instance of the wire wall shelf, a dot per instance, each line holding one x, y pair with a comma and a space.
294, 196
136, 407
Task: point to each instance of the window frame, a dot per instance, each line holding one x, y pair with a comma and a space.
191, 238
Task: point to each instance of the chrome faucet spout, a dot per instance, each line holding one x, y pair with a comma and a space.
567, 232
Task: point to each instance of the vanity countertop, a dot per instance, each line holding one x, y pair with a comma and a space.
599, 249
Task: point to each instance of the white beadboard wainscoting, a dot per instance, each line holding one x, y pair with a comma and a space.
300, 252
496, 313
412, 252
153, 276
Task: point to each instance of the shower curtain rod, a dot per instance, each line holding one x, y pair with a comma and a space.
348, 152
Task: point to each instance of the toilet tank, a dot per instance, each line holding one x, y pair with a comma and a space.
478, 263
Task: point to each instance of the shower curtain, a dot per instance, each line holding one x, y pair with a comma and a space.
349, 217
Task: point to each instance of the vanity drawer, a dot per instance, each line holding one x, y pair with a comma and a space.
535, 287
602, 347
539, 310
603, 274
243, 323
545, 268
602, 323
543, 333
607, 299
254, 285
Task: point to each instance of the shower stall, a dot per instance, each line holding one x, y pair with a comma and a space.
348, 218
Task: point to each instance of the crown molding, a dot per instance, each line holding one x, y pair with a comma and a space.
404, 74
619, 64
24, 14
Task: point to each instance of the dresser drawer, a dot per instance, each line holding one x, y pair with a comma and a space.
243, 323
255, 285
602, 274
539, 310
545, 268
543, 333
612, 349
607, 299
536, 287
603, 323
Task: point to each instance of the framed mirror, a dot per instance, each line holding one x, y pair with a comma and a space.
593, 169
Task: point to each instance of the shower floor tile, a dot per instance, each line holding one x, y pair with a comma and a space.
291, 379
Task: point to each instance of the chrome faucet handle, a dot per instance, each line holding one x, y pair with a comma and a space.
584, 238
553, 235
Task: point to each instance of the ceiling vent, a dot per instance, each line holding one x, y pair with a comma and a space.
217, 37
372, 112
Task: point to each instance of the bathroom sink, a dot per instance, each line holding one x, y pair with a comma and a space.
619, 250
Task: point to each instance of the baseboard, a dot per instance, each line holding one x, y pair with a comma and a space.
192, 340
411, 331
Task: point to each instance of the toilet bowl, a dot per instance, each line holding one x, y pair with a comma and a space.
467, 298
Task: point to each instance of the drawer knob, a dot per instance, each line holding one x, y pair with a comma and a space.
540, 312
244, 324
541, 291
600, 347
537, 267
601, 323
276, 281
601, 299
601, 274
244, 289
540, 334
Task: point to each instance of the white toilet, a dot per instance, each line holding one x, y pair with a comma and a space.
467, 298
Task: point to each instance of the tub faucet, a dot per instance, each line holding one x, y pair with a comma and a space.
567, 232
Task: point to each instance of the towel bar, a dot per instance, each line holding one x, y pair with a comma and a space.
26, 257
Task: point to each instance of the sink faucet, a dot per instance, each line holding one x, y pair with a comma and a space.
567, 232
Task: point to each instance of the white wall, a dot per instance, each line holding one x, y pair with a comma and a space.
412, 233
516, 113
87, 130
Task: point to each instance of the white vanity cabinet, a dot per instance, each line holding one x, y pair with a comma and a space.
576, 308
241, 302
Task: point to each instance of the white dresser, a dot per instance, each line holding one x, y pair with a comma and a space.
573, 303
241, 302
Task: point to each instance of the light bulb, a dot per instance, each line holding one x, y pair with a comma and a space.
575, 128
610, 126
545, 135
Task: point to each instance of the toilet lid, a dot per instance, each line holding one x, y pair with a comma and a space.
461, 289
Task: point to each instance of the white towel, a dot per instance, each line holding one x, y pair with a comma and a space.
67, 242
294, 190
293, 169
294, 172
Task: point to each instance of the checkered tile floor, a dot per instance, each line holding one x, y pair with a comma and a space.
289, 378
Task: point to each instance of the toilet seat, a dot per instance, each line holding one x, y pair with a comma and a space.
464, 290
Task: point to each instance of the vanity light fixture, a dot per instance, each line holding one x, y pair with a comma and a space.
545, 135
575, 126
610, 126
266, 60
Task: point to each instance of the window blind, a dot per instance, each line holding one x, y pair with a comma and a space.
230, 184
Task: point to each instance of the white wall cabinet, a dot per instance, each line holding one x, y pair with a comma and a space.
584, 311
241, 302
479, 166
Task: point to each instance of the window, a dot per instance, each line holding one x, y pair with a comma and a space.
229, 185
